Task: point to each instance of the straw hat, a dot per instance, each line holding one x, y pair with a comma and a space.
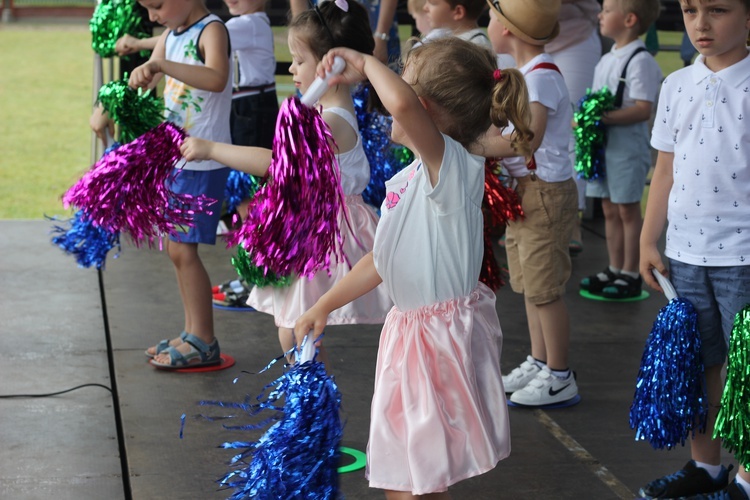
533, 21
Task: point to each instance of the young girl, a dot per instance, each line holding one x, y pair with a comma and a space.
311, 34
438, 412
193, 53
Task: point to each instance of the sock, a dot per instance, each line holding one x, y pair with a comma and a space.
743, 484
539, 362
561, 374
622, 282
632, 274
713, 470
604, 278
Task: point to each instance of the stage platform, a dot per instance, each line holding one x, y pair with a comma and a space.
52, 337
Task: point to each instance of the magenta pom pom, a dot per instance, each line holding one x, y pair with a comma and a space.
127, 190
292, 225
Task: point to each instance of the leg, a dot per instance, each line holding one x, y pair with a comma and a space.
614, 233
195, 290
703, 448
554, 323
536, 333
630, 216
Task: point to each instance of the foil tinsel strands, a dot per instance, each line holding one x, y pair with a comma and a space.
240, 186
502, 203
670, 402
85, 241
298, 455
111, 20
733, 421
127, 189
591, 134
385, 158
251, 273
135, 111
292, 224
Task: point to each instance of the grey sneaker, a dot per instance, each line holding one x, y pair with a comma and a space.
521, 376
546, 389
688, 482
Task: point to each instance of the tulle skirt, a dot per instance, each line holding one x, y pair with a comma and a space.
438, 412
288, 303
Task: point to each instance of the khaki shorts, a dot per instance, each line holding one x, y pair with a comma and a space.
537, 245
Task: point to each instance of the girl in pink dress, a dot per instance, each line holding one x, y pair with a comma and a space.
438, 412
311, 34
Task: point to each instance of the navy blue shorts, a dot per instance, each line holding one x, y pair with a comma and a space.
196, 182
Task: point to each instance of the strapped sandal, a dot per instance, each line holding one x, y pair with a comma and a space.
235, 284
231, 298
164, 344
593, 284
628, 287
201, 354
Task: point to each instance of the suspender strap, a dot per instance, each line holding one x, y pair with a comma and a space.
621, 84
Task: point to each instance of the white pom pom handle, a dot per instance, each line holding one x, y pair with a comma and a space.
320, 85
307, 351
665, 284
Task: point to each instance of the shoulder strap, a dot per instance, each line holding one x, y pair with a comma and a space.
545, 65
621, 84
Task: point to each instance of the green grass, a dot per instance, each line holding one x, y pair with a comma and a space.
45, 103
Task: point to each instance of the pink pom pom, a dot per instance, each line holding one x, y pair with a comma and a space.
127, 190
292, 224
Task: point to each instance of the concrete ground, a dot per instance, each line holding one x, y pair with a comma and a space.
52, 337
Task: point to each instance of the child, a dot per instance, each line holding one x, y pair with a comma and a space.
456, 18
438, 413
254, 101
311, 34
537, 245
417, 11
700, 186
193, 53
627, 155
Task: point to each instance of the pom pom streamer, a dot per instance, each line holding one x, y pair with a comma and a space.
292, 224
733, 421
670, 401
111, 20
251, 273
135, 111
385, 158
127, 190
85, 241
297, 457
240, 186
591, 133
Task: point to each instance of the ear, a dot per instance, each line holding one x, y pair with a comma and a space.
459, 12
631, 20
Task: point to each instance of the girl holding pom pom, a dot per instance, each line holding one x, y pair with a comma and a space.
193, 53
438, 412
311, 34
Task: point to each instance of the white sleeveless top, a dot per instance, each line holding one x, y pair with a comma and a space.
353, 164
200, 113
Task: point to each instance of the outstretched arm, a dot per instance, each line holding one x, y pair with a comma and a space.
253, 160
655, 219
408, 110
361, 279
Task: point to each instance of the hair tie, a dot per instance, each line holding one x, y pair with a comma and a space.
497, 74
343, 5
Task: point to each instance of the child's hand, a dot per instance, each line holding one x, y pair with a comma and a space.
102, 125
194, 149
313, 320
143, 75
353, 72
651, 259
126, 44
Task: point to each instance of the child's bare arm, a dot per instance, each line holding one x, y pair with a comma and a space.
638, 112
213, 76
128, 44
361, 279
253, 160
655, 219
495, 145
147, 75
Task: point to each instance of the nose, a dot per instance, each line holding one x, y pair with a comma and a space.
424, 8
291, 68
701, 21
152, 17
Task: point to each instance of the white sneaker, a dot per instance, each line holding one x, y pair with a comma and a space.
521, 376
546, 389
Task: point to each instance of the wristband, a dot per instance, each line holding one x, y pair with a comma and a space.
381, 36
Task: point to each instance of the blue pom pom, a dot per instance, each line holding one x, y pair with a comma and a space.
88, 243
240, 186
670, 400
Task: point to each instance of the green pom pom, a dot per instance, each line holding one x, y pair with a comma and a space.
135, 111
111, 20
733, 421
591, 134
253, 274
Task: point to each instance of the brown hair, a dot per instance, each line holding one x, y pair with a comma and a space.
474, 8
459, 77
327, 26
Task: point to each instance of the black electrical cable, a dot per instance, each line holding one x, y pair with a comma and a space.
50, 394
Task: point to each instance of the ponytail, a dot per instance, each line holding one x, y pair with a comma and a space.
510, 104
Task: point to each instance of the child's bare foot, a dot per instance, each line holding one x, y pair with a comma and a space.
162, 345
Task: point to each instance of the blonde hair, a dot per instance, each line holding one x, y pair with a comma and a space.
413, 6
459, 77
647, 11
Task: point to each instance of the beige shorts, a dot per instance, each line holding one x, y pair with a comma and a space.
537, 245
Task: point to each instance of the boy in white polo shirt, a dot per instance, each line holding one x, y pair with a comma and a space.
701, 188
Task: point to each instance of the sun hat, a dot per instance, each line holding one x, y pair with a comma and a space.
533, 21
